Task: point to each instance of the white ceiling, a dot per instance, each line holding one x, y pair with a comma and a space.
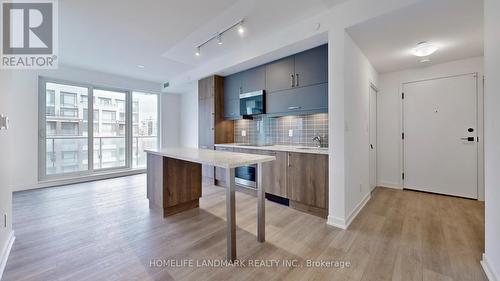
456, 26
116, 36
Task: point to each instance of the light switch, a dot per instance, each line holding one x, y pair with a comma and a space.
4, 122
290, 133
243, 133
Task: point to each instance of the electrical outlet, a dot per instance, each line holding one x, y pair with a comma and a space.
243, 133
290, 133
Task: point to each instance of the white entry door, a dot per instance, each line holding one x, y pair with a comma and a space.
373, 136
440, 135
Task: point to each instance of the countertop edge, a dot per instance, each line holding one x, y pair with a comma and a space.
275, 148
216, 163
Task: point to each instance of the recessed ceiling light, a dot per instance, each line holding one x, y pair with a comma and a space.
424, 49
140, 66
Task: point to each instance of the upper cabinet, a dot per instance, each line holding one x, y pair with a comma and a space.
232, 90
311, 67
301, 70
253, 79
280, 75
297, 84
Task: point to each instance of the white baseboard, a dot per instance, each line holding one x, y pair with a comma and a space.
80, 179
390, 185
488, 270
344, 223
5, 252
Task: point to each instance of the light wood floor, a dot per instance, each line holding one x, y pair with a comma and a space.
105, 231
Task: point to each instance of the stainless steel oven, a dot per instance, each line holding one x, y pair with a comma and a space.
246, 176
252, 103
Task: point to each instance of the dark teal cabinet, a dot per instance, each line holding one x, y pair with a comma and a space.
232, 90
280, 75
311, 67
293, 85
254, 79
303, 100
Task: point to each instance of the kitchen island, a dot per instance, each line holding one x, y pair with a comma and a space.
174, 183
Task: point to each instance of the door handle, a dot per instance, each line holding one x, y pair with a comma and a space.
371, 146
469, 139
292, 80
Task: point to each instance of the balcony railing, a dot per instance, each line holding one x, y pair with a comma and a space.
109, 152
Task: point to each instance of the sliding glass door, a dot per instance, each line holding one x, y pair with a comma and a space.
66, 137
145, 126
86, 129
110, 129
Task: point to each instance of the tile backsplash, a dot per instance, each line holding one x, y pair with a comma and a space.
277, 130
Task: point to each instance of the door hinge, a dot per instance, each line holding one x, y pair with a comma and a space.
402, 95
403, 176
402, 136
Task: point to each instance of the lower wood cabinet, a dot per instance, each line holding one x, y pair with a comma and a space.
274, 173
300, 177
308, 179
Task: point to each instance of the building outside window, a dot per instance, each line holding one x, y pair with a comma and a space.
69, 129
68, 99
105, 101
108, 116
51, 103
67, 119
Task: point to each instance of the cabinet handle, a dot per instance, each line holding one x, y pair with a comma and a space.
294, 107
292, 80
288, 159
297, 80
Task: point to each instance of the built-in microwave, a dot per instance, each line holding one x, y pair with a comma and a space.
252, 103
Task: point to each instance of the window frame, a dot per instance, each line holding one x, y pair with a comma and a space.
91, 171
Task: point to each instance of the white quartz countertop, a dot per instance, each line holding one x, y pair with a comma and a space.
222, 159
286, 148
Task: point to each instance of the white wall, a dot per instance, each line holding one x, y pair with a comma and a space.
24, 119
5, 190
170, 119
389, 127
358, 74
491, 259
189, 117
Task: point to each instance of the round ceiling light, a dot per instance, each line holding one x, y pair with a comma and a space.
424, 49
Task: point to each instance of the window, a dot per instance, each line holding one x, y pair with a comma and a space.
84, 101
69, 129
145, 126
63, 138
109, 143
66, 120
69, 112
50, 103
120, 104
105, 101
51, 128
108, 116
68, 99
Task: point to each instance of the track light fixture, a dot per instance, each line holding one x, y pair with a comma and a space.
218, 36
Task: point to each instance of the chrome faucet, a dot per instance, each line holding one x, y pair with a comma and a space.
318, 139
